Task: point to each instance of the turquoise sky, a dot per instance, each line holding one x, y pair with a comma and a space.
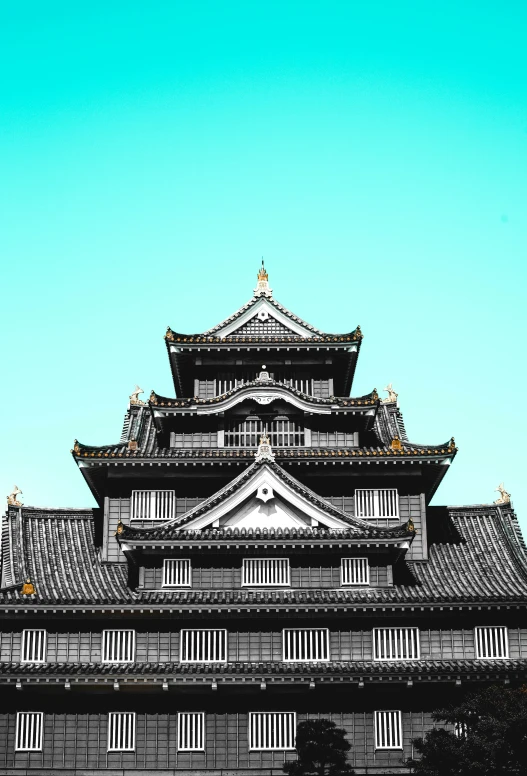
374, 154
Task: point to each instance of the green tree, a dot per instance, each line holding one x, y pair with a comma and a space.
322, 748
490, 737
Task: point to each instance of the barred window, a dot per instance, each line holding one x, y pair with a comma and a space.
265, 572
396, 644
376, 503
305, 645
29, 731
203, 646
460, 729
177, 572
388, 730
153, 505
190, 731
492, 642
354, 571
118, 646
33, 646
271, 730
121, 731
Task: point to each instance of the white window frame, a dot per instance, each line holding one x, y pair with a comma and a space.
153, 505
356, 569
397, 637
106, 644
186, 729
113, 721
291, 645
256, 729
188, 644
249, 563
28, 643
482, 639
29, 734
380, 718
378, 504
170, 565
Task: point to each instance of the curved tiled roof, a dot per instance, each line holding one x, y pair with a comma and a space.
55, 549
269, 668
364, 402
317, 334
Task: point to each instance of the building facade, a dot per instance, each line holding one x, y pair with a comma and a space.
263, 552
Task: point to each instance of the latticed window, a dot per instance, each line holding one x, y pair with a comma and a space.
118, 646
265, 572
282, 432
354, 571
177, 572
203, 646
492, 643
33, 646
29, 731
272, 730
121, 731
305, 644
376, 503
190, 731
153, 505
460, 729
396, 644
388, 730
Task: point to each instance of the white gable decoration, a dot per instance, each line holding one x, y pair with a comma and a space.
266, 501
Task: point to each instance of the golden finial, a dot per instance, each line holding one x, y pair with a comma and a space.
76, 447
262, 273
396, 444
262, 286
28, 588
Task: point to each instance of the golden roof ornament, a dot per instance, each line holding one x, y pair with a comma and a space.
120, 528
396, 444
262, 285
134, 396
132, 445
410, 526
28, 588
12, 500
504, 498
264, 452
76, 447
392, 396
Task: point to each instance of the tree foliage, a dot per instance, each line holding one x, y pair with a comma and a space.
322, 749
491, 737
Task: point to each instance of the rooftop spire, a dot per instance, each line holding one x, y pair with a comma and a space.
262, 286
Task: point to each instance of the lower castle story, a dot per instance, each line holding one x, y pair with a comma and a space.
241, 731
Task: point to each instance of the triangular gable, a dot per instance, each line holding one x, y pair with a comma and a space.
263, 326
262, 308
266, 500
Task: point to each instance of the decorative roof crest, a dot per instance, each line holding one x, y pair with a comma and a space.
262, 286
264, 452
134, 396
505, 498
12, 500
392, 396
28, 588
264, 376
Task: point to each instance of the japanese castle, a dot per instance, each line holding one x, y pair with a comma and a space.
263, 552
